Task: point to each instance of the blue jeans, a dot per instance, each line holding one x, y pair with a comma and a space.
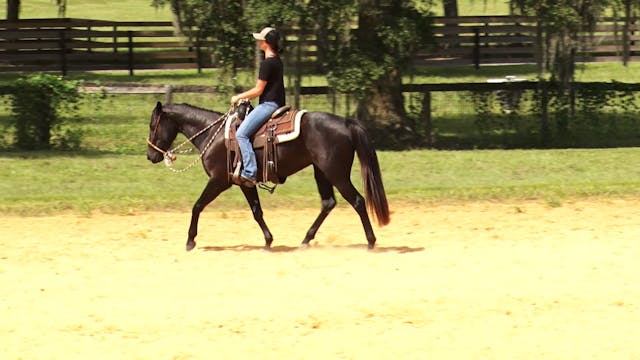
249, 126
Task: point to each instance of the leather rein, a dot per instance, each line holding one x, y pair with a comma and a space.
170, 155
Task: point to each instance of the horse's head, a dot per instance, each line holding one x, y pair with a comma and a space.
162, 132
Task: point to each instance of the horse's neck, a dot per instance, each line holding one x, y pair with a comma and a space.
191, 127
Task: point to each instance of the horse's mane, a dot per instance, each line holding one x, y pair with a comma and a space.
193, 112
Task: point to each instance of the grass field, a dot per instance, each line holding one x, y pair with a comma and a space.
111, 173
42, 183
136, 9
119, 10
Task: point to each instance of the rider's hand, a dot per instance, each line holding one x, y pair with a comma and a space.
234, 100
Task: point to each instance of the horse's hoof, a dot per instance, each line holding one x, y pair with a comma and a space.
371, 246
304, 245
190, 245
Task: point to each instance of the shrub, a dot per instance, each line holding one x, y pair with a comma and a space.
40, 105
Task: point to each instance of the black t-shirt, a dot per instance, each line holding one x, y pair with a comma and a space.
271, 70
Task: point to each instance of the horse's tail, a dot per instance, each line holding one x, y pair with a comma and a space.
375, 197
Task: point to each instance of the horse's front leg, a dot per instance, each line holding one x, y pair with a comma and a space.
251, 194
210, 192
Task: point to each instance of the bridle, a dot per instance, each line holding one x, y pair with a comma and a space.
170, 155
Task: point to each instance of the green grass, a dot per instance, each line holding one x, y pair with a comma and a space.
111, 173
119, 10
585, 72
118, 123
604, 72
142, 10
42, 183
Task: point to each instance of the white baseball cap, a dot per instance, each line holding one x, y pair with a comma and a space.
261, 35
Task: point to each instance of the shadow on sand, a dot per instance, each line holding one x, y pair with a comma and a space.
286, 249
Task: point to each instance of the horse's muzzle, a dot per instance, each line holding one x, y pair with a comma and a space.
154, 157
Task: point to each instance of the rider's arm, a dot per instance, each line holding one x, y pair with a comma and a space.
251, 93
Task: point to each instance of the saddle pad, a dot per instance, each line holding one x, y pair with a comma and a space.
288, 128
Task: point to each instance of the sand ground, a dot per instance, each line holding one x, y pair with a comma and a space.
472, 280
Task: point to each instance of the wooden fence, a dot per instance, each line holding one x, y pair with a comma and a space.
544, 92
543, 88
78, 45
477, 40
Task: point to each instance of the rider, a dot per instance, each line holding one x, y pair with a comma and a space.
270, 87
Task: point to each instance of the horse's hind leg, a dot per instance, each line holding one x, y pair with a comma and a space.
328, 203
210, 192
351, 194
251, 194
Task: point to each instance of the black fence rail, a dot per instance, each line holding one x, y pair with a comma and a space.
543, 119
477, 40
79, 45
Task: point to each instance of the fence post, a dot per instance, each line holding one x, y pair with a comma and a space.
426, 113
298, 81
625, 33
168, 94
115, 39
198, 56
130, 36
63, 53
333, 100
539, 49
544, 113
89, 49
476, 47
348, 108
572, 88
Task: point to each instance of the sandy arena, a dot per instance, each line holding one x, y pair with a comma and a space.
481, 280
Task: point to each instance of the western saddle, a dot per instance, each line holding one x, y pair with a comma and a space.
282, 126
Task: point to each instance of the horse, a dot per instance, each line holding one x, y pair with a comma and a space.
326, 141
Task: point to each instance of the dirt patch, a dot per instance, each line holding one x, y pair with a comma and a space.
469, 280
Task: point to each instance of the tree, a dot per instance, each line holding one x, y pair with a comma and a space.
329, 20
13, 10
450, 8
562, 23
372, 64
627, 7
368, 63
40, 103
176, 13
223, 22
62, 7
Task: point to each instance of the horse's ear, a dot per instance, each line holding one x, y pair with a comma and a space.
158, 108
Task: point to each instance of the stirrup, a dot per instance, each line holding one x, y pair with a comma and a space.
247, 182
270, 189
235, 176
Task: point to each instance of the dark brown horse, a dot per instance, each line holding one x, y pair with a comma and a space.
326, 141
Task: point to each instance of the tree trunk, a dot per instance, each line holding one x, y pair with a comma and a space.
322, 44
13, 10
369, 15
384, 106
625, 34
176, 19
450, 8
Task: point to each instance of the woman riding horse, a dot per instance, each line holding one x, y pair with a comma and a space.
270, 87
